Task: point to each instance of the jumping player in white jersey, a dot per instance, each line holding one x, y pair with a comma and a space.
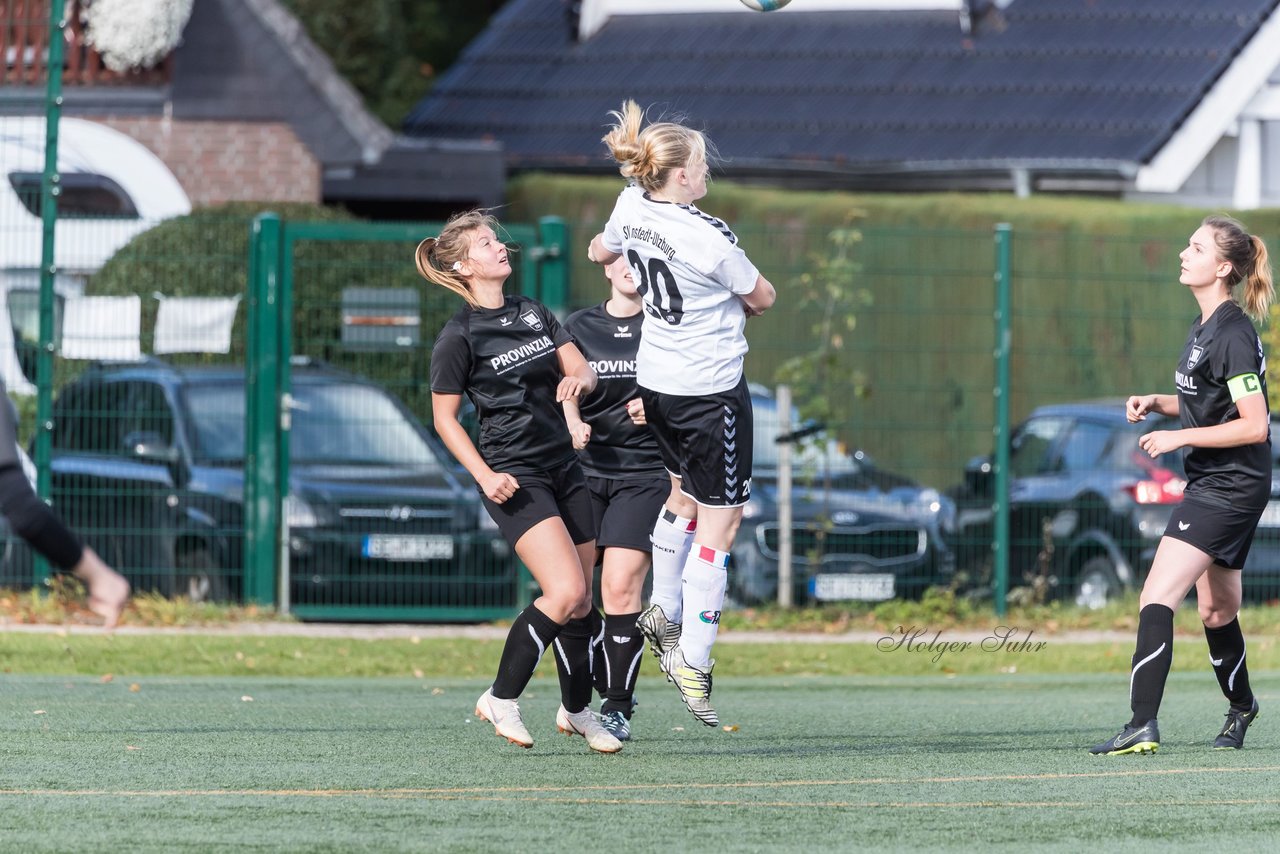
1222, 405
628, 485
698, 288
510, 356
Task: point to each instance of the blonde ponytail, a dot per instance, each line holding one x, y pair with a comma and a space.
648, 155
1259, 290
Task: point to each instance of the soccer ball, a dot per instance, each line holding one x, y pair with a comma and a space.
765, 5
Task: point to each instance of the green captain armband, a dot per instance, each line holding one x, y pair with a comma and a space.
1243, 386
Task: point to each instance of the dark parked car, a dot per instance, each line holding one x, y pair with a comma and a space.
148, 460
1088, 507
858, 532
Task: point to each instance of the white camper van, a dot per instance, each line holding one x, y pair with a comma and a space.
112, 189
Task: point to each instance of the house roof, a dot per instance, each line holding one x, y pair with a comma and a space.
1071, 85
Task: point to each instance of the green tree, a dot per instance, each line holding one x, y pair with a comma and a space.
392, 51
827, 299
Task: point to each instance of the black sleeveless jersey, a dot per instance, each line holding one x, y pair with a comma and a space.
1222, 349
618, 448
504, 360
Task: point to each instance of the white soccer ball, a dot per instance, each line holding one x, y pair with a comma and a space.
765, 5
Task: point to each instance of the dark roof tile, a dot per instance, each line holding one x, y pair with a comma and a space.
1077, 80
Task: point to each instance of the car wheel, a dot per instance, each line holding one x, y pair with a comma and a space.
199, 578
1097, 583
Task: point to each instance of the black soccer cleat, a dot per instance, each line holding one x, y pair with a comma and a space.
1232, 735
1132, 739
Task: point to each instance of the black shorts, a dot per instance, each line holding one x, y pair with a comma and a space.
1223, 533
706, 442
625, 510
562, 492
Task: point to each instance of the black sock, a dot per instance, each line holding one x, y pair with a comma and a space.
623, 647
1152, 657
573, 663
1226, 654
530, 635
598, 669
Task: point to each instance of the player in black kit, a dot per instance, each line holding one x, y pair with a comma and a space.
1222, 405
627, 479
511, 357
44, 530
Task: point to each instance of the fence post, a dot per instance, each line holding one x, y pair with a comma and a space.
553, 263
262, 488
49, 192
1000, 508
785, 545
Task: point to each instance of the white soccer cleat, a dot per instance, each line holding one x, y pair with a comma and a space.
694, 685
586, 724
661, 633
505, 717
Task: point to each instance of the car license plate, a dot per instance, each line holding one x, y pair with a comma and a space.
429, 547
865, 588
1270, 516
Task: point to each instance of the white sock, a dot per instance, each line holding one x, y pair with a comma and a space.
672, 536
705, 578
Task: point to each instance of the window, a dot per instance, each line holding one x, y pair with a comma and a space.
1031, 445
1085, 446
90, 419
84, 195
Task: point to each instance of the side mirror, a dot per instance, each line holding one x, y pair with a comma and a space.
151, 446
978, 478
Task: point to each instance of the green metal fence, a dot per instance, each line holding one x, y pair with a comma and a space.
233, 407
241, 475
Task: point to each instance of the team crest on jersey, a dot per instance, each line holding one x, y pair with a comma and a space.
531, 318
1196, 352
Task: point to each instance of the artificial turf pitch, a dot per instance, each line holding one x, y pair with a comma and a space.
923, 763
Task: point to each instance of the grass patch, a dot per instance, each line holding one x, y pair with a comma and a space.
930, 651
922, 763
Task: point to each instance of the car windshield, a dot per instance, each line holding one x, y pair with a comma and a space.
336, 423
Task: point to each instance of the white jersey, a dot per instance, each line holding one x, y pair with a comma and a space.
691, 273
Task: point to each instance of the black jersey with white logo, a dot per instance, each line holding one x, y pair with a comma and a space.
1222, 349
504, 360
619, 448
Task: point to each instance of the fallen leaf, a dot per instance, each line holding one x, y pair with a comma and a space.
730, 727
131, 747
246, 699
436, 692
135, 687
677, 729
107, 677
38, 712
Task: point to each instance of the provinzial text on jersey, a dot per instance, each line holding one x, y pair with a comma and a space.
613, 367
511, 358
648, 235
1185, 383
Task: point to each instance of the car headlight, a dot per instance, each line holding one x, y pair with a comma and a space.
298, 513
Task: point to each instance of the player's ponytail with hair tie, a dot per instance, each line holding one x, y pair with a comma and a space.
1259, 289
431, 268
